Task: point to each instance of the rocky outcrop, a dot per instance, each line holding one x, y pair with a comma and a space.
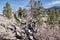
9, 30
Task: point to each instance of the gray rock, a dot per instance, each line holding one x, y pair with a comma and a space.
10, 30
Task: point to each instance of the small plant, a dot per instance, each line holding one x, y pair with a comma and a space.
18, 21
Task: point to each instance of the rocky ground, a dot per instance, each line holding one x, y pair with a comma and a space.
9, 30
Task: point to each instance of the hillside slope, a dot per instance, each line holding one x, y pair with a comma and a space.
11, 31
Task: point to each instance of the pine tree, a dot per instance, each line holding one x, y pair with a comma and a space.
8, 11
37, 10
20, 11
53, 17
24, 13
21, 15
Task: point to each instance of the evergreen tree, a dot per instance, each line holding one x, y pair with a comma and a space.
20, 11
21, 15
37, 11
53, 17
8, 11
24, 13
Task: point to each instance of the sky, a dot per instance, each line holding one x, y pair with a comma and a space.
15, 4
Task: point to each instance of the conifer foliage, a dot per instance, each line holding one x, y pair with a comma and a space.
7, 10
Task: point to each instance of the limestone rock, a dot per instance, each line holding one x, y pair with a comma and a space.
9, 30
